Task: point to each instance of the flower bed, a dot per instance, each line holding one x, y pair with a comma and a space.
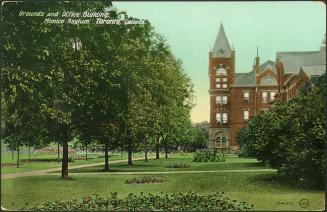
144, 180
190, 201
54, 150
43, 160
8, 164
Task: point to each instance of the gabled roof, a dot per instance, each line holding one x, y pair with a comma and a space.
292, 61
221, 48
244, 79
269, 64
314, 70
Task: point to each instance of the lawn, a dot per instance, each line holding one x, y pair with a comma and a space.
232, 162
30, 166
251, 187
256, 188
8, 163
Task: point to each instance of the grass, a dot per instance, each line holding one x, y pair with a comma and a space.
256, 188
251, 187
30, 166
162, 164
6, 157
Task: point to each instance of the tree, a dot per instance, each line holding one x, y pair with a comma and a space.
290, 137
55, 93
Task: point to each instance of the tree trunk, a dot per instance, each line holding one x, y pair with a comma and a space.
12, 151
166, 151
58, 151
129, 150
29, 150
106, 157
64, 167
157, 150
146, 150
86, 151
121, 152
18, 156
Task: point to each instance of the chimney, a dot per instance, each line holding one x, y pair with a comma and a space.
257, 62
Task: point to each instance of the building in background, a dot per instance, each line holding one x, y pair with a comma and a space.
290, 65
236, 97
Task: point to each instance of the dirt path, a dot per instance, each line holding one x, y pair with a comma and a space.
46, 171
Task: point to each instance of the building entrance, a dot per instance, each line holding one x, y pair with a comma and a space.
221, 141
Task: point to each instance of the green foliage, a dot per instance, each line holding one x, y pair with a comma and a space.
144, 180
123, 87
209, 156
291, 137
190, 201
177, 165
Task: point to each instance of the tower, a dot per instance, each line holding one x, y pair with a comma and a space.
221, 74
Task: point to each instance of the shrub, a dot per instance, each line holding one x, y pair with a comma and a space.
144, 180
291, 137
43, 160
209, 156
177, 165
149, 202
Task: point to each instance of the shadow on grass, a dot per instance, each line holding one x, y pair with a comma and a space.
280, 181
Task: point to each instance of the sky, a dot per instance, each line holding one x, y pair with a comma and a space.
190, 29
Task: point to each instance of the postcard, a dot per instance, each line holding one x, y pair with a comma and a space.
163, 106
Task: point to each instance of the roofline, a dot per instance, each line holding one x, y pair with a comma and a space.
282, 52
276, 85
246, 85
291, 77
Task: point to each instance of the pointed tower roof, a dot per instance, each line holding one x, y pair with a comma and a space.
221, 48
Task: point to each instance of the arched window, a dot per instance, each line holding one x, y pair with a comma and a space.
221, 71
268, 81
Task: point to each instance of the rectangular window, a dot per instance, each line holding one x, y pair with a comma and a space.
218, 100
217, 79
246, 115
246, 96
272, 96
224, 100
224, 118
224, 85
218, 117
218, 85
264, 97
224, 79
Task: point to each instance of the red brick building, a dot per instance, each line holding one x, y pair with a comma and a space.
295, 69
235, 97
